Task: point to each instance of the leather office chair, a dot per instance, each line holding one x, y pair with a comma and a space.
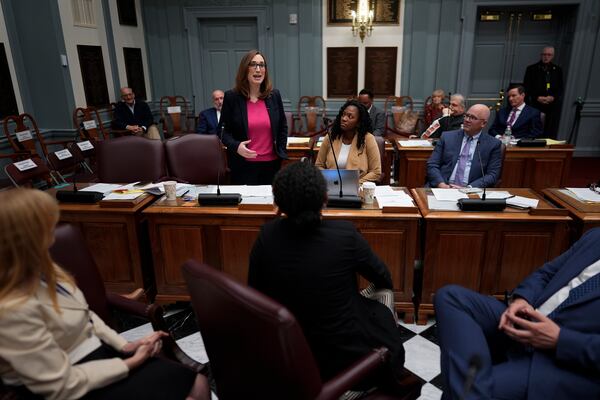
196, 159
257, 348
130, 159
70, 251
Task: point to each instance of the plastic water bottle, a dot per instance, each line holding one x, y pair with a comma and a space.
506, 138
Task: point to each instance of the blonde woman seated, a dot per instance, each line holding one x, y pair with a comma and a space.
354, 146
51, 344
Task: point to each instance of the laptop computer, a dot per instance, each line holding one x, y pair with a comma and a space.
349, 182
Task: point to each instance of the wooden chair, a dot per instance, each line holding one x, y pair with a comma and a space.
400, 118
312, 110
264, 339
89, 125
39, 175
24, 137
174, 115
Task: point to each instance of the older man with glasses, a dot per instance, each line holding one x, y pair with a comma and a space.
460, 156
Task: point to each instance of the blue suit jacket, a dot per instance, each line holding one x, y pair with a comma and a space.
207, 121
528, 125
573, 370
445, 155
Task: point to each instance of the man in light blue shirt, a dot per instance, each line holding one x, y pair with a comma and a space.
456, 160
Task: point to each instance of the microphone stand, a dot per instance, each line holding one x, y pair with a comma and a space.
226, 199
482, 204
76, 196
341, 201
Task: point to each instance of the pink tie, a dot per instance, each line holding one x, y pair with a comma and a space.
511, 117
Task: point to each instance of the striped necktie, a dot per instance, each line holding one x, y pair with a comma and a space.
512, 117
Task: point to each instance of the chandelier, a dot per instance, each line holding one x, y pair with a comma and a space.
362, 20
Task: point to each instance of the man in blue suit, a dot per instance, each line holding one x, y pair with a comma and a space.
208, 120
544, 345
524, 120
455, 161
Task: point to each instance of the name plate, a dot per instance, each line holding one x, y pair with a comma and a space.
174, 110
83, 146
24, 135
25, 165
91, 124
63, 154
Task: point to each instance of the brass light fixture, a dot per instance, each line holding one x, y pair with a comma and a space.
362, 20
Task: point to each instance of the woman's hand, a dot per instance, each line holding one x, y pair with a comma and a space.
153, 340
245, 151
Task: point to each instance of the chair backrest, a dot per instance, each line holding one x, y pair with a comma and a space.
381, 146
197, 159
174, 111
88, 123
311, 111
130, 159
22, 133
255, 346
29, 177
71, 252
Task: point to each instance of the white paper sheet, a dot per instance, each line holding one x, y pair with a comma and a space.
105, 188
122, 196
298, 140
395, 201
520, 201
500, 194
258, 200
385, 190
415, 143
438, 205
585, 194
448, 194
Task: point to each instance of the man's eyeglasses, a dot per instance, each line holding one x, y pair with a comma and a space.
255, 64
472, 117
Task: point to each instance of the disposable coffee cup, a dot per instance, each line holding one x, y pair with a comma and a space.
170, 189
368, 189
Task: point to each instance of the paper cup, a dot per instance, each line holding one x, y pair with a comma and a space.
170, 189
368, 189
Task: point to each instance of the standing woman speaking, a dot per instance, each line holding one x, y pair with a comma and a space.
254, 124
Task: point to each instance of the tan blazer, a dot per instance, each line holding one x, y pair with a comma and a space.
35, 341
366, 160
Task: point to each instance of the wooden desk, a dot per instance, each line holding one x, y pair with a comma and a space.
297, 151
223, 237
116, 239
530, 167
585, 215
489, 252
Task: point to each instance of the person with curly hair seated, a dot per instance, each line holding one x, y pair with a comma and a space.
355, 147
310, 265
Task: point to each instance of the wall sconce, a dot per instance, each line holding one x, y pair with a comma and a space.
362, 20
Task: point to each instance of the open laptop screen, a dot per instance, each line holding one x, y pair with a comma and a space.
349, 182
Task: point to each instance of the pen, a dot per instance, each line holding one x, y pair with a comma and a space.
509, 197
184, 193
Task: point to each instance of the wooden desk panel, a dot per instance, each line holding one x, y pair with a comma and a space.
536, 168
486, 252
116, 239
585, 215
223, 237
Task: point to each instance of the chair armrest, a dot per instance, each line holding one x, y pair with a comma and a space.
129, 306
352, 375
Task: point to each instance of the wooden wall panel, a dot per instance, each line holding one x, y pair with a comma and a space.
178, 244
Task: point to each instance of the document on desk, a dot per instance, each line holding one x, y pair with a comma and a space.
448, 194
105, 188
522, 202
123, 196
415, 143
585, 194
157, 189
437, 205
244, 190
388, 197
258, 200
495, 194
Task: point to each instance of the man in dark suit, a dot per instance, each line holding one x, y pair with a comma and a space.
134, 115
544, 345
208, 120
454, 162
524, 120
365, 97
544, 86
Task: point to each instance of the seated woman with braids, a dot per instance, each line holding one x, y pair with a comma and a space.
310, 266
355, 147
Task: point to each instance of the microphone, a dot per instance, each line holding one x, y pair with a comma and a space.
75, 196
481, 204
474, 368
341, 201
226, 199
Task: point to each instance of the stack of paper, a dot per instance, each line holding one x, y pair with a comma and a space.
388, 197
448, 194
585, 194
522, 202
415, 143
443, 205
495, 194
